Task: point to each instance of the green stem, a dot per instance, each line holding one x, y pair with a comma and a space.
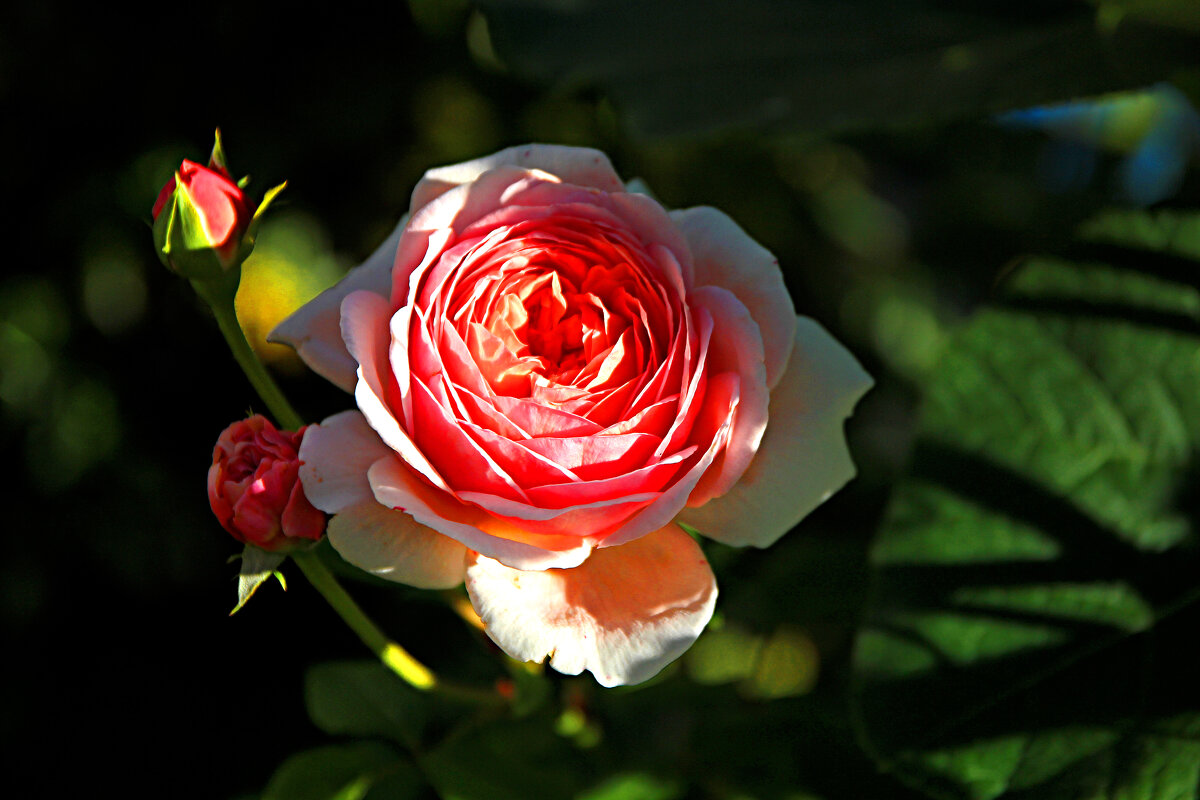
393, 656
223, 308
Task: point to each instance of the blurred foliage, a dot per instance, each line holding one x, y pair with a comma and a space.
858, 143
679, 66
1035, 578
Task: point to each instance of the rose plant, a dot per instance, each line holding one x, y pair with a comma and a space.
551, 374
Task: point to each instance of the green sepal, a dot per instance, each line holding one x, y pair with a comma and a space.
217, 159
183, 243
256, 220
258, 567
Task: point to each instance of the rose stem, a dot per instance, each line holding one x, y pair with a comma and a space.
395, 657
222, 306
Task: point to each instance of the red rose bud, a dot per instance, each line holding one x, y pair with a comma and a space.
204, 223
254, 486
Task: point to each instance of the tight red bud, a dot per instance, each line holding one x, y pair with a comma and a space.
254, 486
200, 220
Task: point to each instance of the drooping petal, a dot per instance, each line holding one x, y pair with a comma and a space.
334, 459
726, 256
314, 330
624, 614
392, 545
803, 457
579, 165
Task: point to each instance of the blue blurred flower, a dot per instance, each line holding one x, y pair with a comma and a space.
1157, 129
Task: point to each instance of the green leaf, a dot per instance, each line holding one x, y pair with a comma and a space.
1036, 576
258, 567
345, 772
362, 698
635, 786
681, 67
508, 760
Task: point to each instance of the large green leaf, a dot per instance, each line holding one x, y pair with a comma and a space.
1031, 631
363, 698
356, 771
508, 759
679, 67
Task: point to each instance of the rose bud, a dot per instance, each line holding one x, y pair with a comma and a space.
254, 487
204, 223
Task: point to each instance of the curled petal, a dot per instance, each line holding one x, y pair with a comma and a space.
334, 459
314, 330
392, 545
726, 256
397, 486
582, 166
736, 346
803, 457
623, 615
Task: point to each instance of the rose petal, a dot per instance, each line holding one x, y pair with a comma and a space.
314, 330
579, 165
624, 614
726, 256
736, 346
803, 458
398, 486
334, 459
715, 421
393, 545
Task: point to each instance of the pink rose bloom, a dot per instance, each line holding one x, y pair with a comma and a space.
551, 373
254, 487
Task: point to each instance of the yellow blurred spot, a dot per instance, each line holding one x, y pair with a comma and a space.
570, 722
462, 606
291, 264
406, 667
787, 666
724, 655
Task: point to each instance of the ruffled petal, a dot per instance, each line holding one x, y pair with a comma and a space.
624, 614
803, 457
393, 545
334, 459
582, 166
397, 486
724, 255
314, 330
736, 346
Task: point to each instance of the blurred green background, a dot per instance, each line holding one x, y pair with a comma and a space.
892, 222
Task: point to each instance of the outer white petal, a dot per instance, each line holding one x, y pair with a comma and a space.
335, 457
803, 458
624, 614
314, 330
726, 256
581, 166
393, 545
